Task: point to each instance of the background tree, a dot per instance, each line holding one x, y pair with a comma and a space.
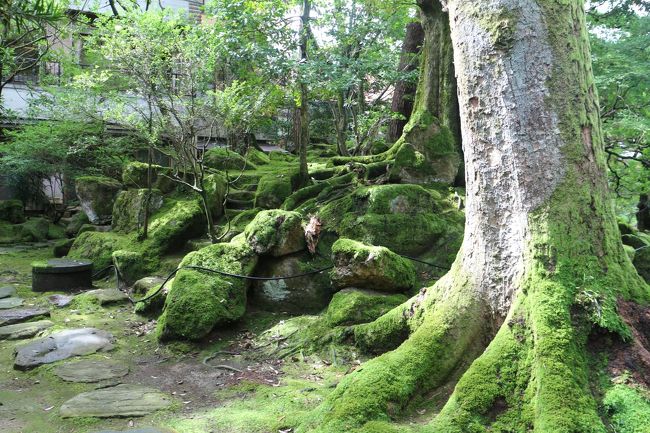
541, 268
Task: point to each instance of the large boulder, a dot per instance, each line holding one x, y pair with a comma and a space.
130, 206
98, 247
642, 262
12, 211
175, 223
353, 306
198, 301
304, 295
220, 158
131, 265
75, 223
135, 174
276, 232
215, 188
96, 196
407, 219
272, 191
370, 267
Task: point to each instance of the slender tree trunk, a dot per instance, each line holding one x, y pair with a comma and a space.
542, 266
341, 124
304, 97
404, 93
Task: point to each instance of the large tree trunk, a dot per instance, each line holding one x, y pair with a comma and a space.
542, 266
404, 93
303, 130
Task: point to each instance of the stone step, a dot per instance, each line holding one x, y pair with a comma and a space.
122, 400
8, 303
7, 292
23, 330
9, 317
90, 371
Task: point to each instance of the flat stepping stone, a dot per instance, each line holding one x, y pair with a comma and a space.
117, 401
106, 296
8, 303
62, 345
9, 317
60, 300
7, 291
89, 371
23, 330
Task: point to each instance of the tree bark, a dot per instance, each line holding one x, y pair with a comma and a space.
404, 93
542, 266
303, 130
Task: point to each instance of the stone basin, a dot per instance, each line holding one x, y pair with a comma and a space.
63, 275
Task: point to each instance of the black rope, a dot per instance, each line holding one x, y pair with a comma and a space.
445, 268
101, 271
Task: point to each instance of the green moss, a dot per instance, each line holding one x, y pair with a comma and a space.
199, 301
62, 247
257, 157
628, 409
215, 187
12, 211
130, 206
55, 231
76, 222
272, 191
220, 158
370, 267
35, 230
132, 265
174, 223
155, 304
98, 247
276, 232
352, 306
135, 174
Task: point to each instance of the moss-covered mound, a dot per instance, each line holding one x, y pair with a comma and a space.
96, 196
132, 265
174, 223
32, 230
99, 247
370, 267
272, 191
215, 188
257, 157
12, 211
75, 223
198, 301
134, 175
62, 247
129, 208
642, 262
354, 306
276, 232
220, 158
407, 219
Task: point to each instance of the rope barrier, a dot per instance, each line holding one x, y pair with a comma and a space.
233, 275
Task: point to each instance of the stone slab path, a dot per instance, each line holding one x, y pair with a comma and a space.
116, 401
62, 345
7, 291
137, 430
106, 296
60, 300
8, 303
9, 317
89, 371
23, 330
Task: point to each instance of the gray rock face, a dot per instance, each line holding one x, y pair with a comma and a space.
106, 296
117, 401
62, 345
7, 291
89, 371
60, 300
8, 303
303, 295
9, 317
96, 196
23, 330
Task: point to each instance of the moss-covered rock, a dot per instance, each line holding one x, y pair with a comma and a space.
56, 231
62, 247
34, 230
87, 228
131, 265
153, 299
215, 188
220, 158
636, 240
76, 222
272, 191
276, 232
198, 301
407, 219
370, 267
96, 196
12, 211
303, 295
175, 222
98, 247
257, 157
642, 262
353, 306
134, 175
129, 208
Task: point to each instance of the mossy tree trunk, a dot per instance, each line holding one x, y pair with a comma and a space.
542, 266
429, 147
303, 129
404, 93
